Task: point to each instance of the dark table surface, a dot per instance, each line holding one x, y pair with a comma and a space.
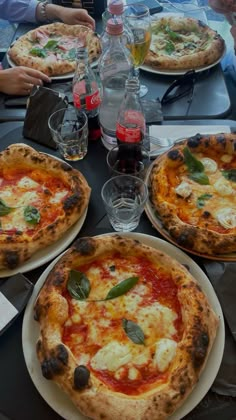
210, 99
19, 399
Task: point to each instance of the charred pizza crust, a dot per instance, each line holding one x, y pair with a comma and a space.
17, 246
21, 56
85, 389
183, 43
203, 219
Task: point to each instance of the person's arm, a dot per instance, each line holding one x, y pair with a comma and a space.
49, 12
20, 80
18, 11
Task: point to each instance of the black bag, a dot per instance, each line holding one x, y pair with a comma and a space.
94, 7
41, 104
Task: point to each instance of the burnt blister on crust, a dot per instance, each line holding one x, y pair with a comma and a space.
85, 246
193, 141
200, 347
55, 364
81, 377
71, 202
12, 259
175, 155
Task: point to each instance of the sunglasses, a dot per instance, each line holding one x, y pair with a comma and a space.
181, 87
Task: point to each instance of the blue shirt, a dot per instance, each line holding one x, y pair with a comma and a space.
18, 10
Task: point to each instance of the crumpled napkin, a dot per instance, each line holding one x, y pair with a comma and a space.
223, 278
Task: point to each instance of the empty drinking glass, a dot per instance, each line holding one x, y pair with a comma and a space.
69, 130
124, 197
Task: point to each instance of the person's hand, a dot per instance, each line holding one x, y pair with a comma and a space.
225, 7
76, 17
20, 80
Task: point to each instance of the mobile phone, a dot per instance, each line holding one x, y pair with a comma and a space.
153, 5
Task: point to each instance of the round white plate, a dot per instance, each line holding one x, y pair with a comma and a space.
59, 401
69, 75
179, 72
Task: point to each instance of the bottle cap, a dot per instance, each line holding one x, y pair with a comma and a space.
116, 7
114, 26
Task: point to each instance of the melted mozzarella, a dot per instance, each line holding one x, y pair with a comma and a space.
111, 357
58, 197
149, 317
209, 164
27, 182
223, 187
184, 189
226, 158
226, 217
165, 353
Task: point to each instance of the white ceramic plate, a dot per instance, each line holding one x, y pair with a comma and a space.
56, 398
180, 72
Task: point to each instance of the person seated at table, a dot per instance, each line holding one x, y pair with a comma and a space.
227, 8
20, 80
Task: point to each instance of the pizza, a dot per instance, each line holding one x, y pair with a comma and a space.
193, 190
52, 48
125, 330
180, 43
40, 199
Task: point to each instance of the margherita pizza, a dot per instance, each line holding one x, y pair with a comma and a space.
180, 43
125, 329
52, 48
193, 189
40, 199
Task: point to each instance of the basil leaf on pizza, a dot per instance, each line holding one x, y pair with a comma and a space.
31, 215
133, 331
38, 52
117, 358
230, 174
122, 287
193, 190
183, 43
78, 285
4, 208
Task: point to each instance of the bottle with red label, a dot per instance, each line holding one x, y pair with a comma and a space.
130, 127
86, 94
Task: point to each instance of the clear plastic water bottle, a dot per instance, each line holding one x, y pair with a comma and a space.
115, 9
115, 67
86, 94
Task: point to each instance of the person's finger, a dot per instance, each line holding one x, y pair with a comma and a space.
37, 74
34, 81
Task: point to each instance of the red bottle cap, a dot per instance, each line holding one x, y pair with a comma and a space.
114, 26
116, 7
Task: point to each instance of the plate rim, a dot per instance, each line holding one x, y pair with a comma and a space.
73, 413
179, 72
150, 212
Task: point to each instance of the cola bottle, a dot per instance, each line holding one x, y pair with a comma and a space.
130, 129
86, 94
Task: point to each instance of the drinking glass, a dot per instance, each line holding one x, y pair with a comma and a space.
124, 198
69, 130
139, 20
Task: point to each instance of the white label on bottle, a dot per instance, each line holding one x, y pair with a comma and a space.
7, 311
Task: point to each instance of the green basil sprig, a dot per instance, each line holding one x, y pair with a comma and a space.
78, 285
195, 167
31, 215
173, 35
169, 47
133, 331
5, 209
38, 52
201, 200
230, 174
51, 44
122, 288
